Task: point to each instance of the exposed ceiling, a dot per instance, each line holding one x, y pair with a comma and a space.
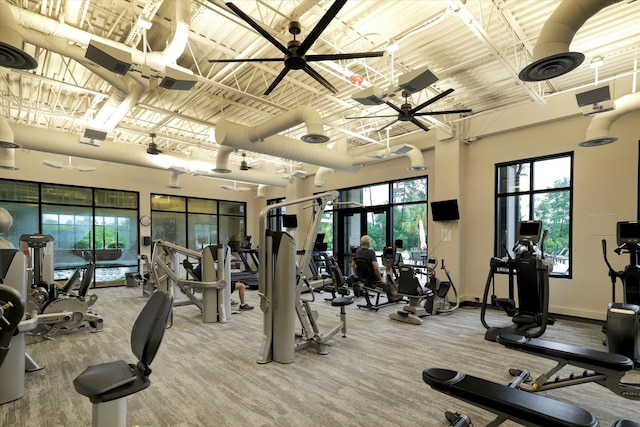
476, 47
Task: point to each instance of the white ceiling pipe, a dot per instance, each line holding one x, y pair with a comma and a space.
414, 155
72, 12
155, 60
7, 139
76, 53
8, 159
321, 175
66, 144
237, 136
261, 192
302, 114
551, 56
598, 129
222, 159
138, 88
12, 54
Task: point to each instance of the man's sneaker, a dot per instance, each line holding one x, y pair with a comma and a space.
245, 307
234, 303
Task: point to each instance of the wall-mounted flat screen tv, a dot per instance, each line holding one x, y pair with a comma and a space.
290, 221
445, 210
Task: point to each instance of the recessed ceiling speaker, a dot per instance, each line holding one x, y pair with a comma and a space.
416, 80
109, 57
177, 79
11, 53
369, 96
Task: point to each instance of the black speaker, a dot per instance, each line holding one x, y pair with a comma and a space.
111, 58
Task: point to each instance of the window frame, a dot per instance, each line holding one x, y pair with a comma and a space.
531, 192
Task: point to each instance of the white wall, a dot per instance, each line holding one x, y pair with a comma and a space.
605, 191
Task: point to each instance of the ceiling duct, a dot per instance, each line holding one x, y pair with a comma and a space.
261, 192
66, 144
8, 159
302, 114
222, 160
321, 176
7, 146
11, 53
598, 130
551, 56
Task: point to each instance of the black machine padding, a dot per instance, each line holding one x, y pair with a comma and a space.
579, 356
520, 406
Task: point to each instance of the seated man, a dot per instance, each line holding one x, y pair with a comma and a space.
197, 274
364, 252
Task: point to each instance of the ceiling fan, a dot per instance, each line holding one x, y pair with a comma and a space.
294, 52
69, 165
408, 114
243, 164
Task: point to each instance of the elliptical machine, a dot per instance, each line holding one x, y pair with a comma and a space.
531, 269
623, 318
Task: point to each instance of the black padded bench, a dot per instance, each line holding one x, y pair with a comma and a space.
605, 369
508, 403
575, 355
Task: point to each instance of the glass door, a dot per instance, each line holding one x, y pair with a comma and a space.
353, 224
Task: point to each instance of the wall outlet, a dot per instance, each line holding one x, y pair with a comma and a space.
446, 234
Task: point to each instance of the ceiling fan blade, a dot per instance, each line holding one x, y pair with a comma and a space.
386, 126
313, 73
435, 113
372, 116
278, 79
52, 164
247, 60
431, 101
419, 124
337, 56
320, 26
246, 18
395, 107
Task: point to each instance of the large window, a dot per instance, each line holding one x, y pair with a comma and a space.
536, 189
195, 223
87, 225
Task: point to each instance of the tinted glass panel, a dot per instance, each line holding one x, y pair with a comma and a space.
66, 195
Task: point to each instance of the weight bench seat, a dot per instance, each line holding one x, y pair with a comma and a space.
575, 355
341, 301
520, 406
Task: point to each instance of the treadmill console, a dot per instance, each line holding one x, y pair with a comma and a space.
628, 233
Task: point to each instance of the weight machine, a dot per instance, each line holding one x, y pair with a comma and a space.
215, 303
56, 309
281, 281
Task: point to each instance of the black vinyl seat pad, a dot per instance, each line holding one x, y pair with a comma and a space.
520, 406
579, 356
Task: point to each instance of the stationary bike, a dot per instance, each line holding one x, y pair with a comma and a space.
531, 270
623, 318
